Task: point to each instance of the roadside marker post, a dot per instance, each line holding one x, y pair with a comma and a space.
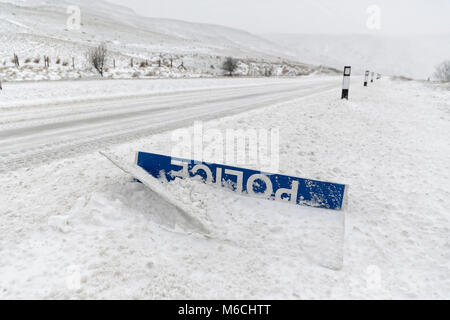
346, 82
366, 79
373, 74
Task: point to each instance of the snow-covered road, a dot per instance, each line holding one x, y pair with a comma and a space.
37, 133
79, 227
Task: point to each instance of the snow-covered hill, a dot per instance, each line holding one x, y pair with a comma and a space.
412, 56
102, 21
37, 28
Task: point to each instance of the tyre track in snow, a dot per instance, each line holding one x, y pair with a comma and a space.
12, 117
92, 112
85, 127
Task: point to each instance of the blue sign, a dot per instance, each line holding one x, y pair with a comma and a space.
306, 192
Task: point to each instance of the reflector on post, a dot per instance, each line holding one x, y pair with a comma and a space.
346, 82
347, 71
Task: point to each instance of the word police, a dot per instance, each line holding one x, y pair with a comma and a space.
297, 191
244, 309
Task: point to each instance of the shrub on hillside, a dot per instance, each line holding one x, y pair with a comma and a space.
443, 71
230, 65
97, 58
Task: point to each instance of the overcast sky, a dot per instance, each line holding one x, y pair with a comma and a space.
304, 16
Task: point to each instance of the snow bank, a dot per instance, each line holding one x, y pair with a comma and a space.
80, 228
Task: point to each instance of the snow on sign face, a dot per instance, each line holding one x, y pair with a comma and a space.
305, 192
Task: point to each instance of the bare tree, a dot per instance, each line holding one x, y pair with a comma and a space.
443, 71
268, 71
97, 58
230, 65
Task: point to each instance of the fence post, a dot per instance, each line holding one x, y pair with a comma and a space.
16, 60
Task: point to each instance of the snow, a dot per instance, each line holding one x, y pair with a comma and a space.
78, 227
34, 133
73, 225
37, 28
24, 95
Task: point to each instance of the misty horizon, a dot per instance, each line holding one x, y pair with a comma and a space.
347, 17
